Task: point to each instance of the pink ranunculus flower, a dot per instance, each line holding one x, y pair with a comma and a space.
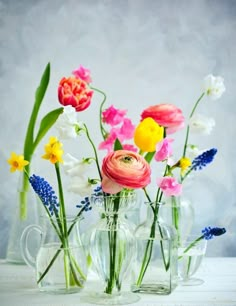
74, 92
166, 115
169, 186
113, 116
164, 149
83, 74
124, 169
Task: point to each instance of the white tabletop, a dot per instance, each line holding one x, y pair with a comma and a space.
18, 288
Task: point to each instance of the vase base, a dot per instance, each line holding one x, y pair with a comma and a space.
191, 282
159, 289
123, 298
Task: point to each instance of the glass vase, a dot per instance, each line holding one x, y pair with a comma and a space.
113, 249
155, 267
60, 264
179, 213
27, 212
190, 255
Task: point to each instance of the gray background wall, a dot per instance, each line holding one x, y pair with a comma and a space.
141, 53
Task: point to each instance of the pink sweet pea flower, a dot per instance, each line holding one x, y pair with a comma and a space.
166, 115
83, 74
129, 147
169, 186
127, 129
113, 116
108, 143
124, 169
164, 149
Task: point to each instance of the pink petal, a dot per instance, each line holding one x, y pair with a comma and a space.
110, 186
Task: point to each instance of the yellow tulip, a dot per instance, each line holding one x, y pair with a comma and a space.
147, 134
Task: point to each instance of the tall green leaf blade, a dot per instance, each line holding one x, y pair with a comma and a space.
39, 95
46, 123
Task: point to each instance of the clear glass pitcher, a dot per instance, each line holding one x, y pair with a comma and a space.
60, 263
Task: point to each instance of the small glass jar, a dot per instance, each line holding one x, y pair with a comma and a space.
155, 267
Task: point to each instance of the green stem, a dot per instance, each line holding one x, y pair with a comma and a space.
94, 150
103, 131
59, 250
189, 264
149, 247
112, 236
175, 217
191, 245
191, 114
62, 202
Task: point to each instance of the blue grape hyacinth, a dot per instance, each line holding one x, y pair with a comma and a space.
210, 232
45, 192
203, 159
85, 204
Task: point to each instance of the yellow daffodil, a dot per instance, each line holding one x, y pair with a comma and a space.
147, 134
184, 164
53, 151
17, 162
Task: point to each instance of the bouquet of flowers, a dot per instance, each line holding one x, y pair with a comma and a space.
131, 150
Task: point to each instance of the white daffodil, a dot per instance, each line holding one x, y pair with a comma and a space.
201, 124
81, 185
74, 167
213, 86
67, 123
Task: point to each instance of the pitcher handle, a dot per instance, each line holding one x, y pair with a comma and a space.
28, 258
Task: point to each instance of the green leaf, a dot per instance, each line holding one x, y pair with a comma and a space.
117, 145
46, 123
149, 156
39, 95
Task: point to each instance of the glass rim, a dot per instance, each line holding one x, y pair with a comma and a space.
67, 218
110, 196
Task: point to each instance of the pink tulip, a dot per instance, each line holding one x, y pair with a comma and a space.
169, 186
124, 169
164, 149
166, 115
83, 74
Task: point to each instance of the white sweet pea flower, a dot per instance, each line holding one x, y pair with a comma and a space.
81, 185
67, 123
213, 86
74, 167
201, 124
193, 151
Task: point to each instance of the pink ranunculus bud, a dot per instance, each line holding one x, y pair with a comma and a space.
166, 115
83, 74
113, 116
124, 169
74, 92
169, 186
164, 149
